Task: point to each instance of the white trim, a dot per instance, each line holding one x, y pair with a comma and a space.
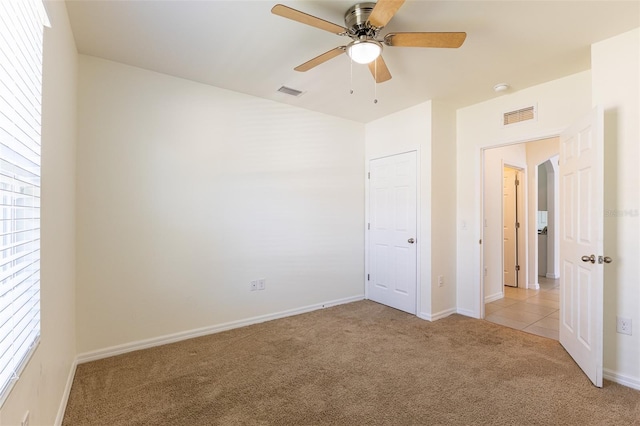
367, 180
553, 276
494, 297
468, 312
534, 286
66, 393
437, 315
621, 379
198, 332
424, 316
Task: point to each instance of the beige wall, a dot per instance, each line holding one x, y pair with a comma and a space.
187, 192
559, 102
443, 204
41, 388
616, 87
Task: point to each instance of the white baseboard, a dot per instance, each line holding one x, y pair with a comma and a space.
553, 276
621, 379
534, 286
467, 313
424, 316
189, 334
494, 297
436, 316
65, 395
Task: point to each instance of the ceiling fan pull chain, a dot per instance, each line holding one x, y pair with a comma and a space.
375, 82
351, 78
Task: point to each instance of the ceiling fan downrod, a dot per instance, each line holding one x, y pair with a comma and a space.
356, 20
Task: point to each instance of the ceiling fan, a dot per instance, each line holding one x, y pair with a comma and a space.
363, 23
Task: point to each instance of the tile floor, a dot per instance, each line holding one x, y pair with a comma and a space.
533, 311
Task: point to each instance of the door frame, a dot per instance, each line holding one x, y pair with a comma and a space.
367, 220
526, 139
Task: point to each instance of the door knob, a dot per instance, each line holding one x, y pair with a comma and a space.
604, 259
591, 258
411, 241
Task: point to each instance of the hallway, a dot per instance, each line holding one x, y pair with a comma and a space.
533, 311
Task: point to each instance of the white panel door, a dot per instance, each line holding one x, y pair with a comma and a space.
581, 236
509, 219
392, 277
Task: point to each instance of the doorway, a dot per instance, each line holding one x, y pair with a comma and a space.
392, 247
581, 244
547, 213
529, 302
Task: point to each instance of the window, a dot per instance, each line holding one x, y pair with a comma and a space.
21, 34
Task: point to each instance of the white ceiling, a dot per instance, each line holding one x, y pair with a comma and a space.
241, 46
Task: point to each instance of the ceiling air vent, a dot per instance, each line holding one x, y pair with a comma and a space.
519, 115
290, 91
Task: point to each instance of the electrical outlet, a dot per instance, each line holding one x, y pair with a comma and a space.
253, 285
623, 325
262, 283
25, 420
440, 280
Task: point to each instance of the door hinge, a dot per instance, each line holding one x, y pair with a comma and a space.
517, 267
517, 182
517, 225
367, 277
368, 225
369, 175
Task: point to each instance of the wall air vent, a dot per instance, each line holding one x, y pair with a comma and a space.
519, 115
290, 91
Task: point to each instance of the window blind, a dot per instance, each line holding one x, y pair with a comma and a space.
21, 43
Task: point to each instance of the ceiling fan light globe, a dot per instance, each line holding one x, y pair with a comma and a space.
364, 52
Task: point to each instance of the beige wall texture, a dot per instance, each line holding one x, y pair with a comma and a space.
187, 192
616, 87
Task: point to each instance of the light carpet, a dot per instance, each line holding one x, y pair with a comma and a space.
356, 364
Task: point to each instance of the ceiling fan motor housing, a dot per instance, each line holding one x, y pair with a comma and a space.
356, 20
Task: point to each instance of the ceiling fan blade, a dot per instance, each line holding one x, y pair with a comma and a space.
452, 40
321, 59
296, 15
379, 70
383, 11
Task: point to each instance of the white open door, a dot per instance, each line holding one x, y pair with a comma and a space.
581, 243
392, 277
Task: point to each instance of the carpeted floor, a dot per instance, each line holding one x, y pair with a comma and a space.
355, 364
